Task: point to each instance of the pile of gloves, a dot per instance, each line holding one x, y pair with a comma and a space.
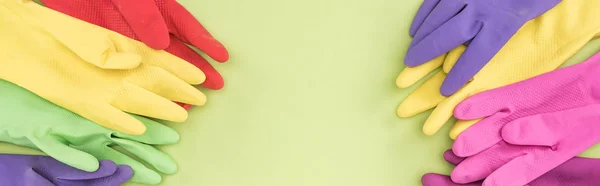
80, 79
520, 121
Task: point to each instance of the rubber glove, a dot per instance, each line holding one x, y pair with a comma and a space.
575, 172
540, 46
29, 120
31, 170
49, 60
410, 75
451, 23
161, 24
567, 88
530, 127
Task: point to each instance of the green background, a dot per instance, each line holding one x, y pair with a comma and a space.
310, 98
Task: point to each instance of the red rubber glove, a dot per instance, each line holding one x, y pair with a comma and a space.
161, 24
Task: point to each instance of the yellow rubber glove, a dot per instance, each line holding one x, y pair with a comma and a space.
92, 71
540, 46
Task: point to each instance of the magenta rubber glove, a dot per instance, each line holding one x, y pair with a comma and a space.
575, 172
485, 25
530, 127
33, 170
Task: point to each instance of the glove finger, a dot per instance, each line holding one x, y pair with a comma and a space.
519, 170
478, 167
213, 78
156, 133
146, 21
58, 173
442, 13
157, 159
110, 117
485, 104
64, 153
136, 100
166, 85
187, 107
432, 179
141, 173
480, 51
460, 126
106, 168
452, 57
410, 75
189, 30
424, 10
121, 176
452, 158
480, 136
443, 112
455, 32
424, 98
162, 59
548, 128
539, 160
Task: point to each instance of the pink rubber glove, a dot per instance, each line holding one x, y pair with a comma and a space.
531, 126
575, 172
160, 24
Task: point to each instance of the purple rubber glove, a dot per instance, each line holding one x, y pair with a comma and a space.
530, 127
32, 170
575, 172
485, 25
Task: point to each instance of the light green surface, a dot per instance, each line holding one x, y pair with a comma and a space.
310, 99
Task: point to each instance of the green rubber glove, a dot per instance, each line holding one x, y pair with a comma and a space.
31, 121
